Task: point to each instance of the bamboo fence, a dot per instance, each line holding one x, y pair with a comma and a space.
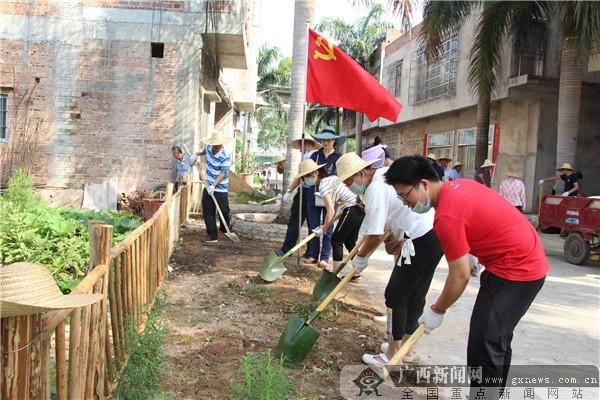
91, 344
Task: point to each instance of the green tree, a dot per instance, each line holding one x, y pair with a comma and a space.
359, 40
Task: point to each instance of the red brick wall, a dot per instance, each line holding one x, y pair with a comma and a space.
34, 8
138, 4
102, 116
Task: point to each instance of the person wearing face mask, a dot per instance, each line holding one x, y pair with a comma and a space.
471, 218
319, 252
418, 249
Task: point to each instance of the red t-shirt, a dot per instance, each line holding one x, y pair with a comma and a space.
471, 218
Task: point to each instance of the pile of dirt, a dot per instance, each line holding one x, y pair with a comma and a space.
218, 310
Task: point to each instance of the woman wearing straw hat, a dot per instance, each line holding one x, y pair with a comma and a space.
569, 176
456, 171
513, 190
434, 164
470, 218
483, 174
445, 164
320, 250
418, 255
297, 211
218, 163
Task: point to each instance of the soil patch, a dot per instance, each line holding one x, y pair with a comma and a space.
217, 310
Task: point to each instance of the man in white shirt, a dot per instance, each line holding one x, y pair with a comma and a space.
418, 255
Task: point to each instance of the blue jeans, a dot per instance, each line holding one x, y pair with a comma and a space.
316, 216
293, 230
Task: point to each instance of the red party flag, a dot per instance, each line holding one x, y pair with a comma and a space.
335, 79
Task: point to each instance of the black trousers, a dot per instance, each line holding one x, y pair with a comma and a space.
346, 231
500, 305
293, 230
210, 212
409, 283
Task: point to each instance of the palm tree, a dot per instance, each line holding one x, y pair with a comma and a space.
359, 40
581, 30
498, 20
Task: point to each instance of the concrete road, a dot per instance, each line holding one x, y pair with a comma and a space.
561, 327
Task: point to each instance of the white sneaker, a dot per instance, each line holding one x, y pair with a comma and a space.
378, 361
382, 319
384, 349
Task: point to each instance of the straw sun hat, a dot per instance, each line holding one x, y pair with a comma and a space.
217, 138
488, 163
444, 158
457, 164
348, 165
27, 288
432, 156
279, 159
566, 166
308, 166
296, 143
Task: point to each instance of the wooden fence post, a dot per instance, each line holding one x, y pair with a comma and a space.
100, 244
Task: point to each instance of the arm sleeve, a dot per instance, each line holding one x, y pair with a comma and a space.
452, 235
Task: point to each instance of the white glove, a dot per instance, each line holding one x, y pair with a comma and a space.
541, 182
430, 319
318, 231
565, 194
286, 196
360, 263
210, 189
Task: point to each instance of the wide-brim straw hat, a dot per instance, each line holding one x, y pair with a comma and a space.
488, 163
444, 158
297, 142
27, 288
279, 159
348, 165
308, 166
217, 138
457, 164
513, 174
432, 156
566, 166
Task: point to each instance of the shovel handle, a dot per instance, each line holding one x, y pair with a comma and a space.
355, 249
410, 342
220, 213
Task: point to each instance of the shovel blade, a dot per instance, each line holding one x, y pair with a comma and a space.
297, 340
233, 237
272, 267
326, 283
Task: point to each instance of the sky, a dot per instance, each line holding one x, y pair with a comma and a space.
277, 23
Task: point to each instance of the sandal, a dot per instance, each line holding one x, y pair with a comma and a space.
324, 265
309, 262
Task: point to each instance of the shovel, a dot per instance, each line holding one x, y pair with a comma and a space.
232, 236
272, 266
299, 337
329, 280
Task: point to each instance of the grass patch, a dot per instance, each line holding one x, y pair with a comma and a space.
260, 376
145, 368
260, 293
244, 196
304, 309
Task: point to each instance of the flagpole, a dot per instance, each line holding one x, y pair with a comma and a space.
307, 23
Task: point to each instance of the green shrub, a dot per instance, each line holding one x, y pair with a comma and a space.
260, 377
58, 238
144, 371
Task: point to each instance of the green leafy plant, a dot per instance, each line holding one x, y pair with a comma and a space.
260, 377
32, 231
244, 196
145, 367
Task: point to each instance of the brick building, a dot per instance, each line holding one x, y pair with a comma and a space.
440, 112
100, 89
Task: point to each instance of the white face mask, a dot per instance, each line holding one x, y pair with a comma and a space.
421, 208
310, 181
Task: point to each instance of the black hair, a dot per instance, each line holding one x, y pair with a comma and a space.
176, 149
323, 172
376, 141
409, 170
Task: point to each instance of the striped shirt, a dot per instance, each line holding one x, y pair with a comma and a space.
215, 164
340, 194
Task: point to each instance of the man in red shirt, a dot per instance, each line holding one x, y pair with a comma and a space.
471, 218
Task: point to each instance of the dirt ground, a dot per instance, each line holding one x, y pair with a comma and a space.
217, 310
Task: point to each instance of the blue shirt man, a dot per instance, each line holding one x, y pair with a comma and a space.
183, 163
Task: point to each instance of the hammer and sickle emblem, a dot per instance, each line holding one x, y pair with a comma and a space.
328, 47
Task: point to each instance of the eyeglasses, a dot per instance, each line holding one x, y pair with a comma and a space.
405, 195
